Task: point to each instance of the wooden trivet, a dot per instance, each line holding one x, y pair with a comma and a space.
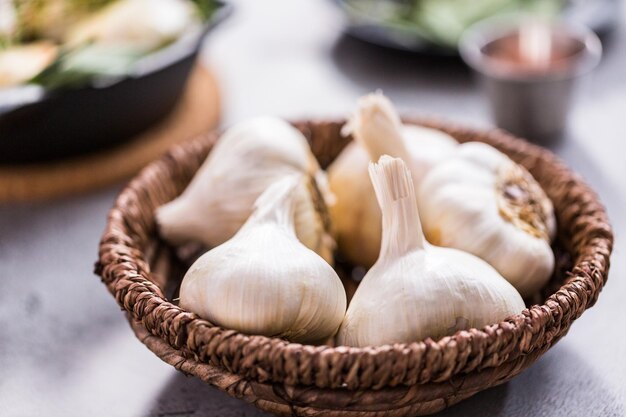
197, 111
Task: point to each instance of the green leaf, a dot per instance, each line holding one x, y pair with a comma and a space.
443, 21
206, 8
79, 67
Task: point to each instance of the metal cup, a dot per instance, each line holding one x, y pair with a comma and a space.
530, 104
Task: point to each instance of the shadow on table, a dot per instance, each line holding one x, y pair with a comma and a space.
190, 397
369, 65
560, 384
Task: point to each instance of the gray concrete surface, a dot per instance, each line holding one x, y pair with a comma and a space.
65, 348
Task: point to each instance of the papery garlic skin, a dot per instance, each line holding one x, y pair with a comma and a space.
246, 159
449, 291
355, 214
483, 203
426, 147
378, 130
416, 290
264, 280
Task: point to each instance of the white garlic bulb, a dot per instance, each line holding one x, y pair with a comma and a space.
264, 281
483, 203
247, 158
416, 290
377, 130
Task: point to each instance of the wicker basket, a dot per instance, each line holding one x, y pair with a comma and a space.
393, 380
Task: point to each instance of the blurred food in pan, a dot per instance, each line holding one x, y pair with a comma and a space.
67, 43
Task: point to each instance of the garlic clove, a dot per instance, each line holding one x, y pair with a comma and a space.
243, 163
416, 290
264, 280
377, 127
377, 130
483, 203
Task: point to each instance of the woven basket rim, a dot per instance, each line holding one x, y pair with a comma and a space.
126, 273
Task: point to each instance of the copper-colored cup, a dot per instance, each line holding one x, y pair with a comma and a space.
530, 70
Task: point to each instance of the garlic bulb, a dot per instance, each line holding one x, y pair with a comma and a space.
485, 204
377, 130
137, 23
415, 290
264, 281
247, 158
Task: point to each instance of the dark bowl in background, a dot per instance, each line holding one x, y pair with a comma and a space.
38, 125
599, 15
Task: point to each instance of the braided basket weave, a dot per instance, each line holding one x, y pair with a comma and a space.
393, 380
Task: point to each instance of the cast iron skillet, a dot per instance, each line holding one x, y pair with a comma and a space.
38, 125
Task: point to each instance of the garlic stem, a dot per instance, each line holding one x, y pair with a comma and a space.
176, 222
277, 207
378, 128
402, 231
